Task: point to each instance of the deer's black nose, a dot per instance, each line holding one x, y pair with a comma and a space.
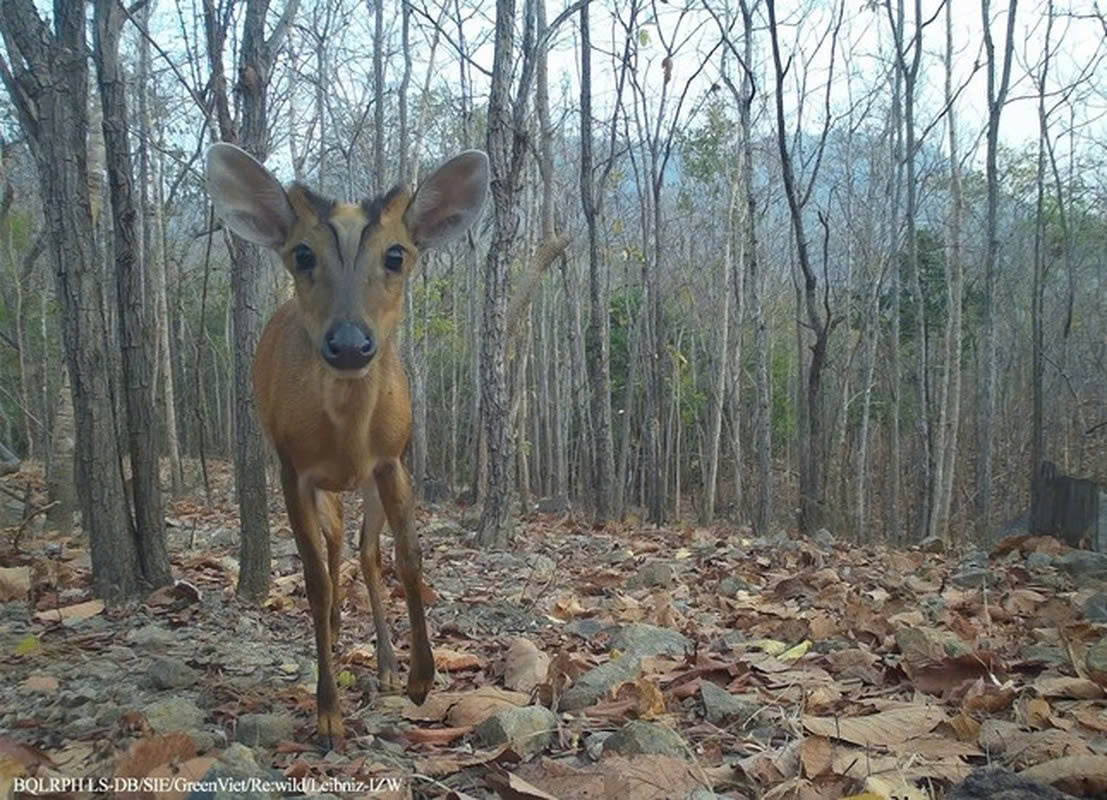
348, 345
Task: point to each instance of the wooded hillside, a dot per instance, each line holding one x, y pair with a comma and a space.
827, 266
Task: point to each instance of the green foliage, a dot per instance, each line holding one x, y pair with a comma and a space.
781, 369
706, 150
934, 302
623, 309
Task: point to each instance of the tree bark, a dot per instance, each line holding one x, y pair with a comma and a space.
948, 455
48, 85
505, 134
997, 98
254, 74
136, 322
820, 322
597, 335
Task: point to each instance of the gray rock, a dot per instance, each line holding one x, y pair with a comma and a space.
436, 490
102, 669
975, 558
650, 640
971, 577
1083, 564
553, 505
994, 783
446, 529
732, 584
80, 726
585, 628
171, 673
1095, 607
284, 548
242, 776
1037, 561
595, 683
1016, 525
529, 730
223, 537
617, 556
933, 544
640, 738
541, 565
206, 740
921, 643
652, 574
593, 745
151, 636
1097, 657
823, 538
1049, 654
263, 730
720, 706
732, 638
173, 714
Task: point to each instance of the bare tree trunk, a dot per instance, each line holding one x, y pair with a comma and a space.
627, 413
47, 83
725, 366
597, 335
895, 468
380, 182
997, 97
909, 73
154, 257
506, 132
763, 435
60, 486
948, 455
870, 333
820, 322
135, 315
257, 56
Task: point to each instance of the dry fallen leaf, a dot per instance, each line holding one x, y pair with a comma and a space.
39, 683
147, 754
473, 708
1084, 775
449, 660
897, 725
79, 611
525, 666
816, 754
1067, 688
15, 583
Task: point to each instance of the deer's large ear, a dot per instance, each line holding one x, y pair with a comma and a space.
249, 200
449, 200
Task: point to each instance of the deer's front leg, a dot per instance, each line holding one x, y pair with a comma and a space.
303, 516
370, 551
396, 497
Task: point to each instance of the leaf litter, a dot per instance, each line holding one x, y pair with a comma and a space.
760, 667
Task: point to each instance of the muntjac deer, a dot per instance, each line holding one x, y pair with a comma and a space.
330, 389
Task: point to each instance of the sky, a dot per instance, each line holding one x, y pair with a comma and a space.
861, 57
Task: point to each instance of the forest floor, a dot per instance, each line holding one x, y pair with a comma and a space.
679, 663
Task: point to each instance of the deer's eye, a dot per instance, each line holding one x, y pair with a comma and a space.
304, 257
394, 258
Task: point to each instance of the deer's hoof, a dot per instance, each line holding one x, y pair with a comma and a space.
418, 688
330, 730
389, 681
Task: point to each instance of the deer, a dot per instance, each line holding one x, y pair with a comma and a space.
330, 389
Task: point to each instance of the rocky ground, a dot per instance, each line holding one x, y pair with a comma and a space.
621, 663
